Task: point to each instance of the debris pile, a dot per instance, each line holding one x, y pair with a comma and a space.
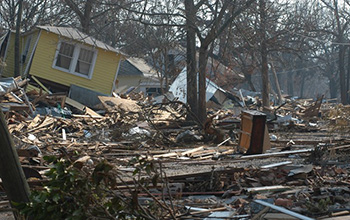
300, 171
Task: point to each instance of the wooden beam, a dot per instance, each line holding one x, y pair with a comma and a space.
82, 108
41, 85
276, 154
12, 175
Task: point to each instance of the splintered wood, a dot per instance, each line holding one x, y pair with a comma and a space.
113, 104
209, 177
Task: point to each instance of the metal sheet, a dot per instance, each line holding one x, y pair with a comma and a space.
283, 210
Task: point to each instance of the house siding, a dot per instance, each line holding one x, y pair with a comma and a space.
33, 40
103, 74
128, 81
10, 57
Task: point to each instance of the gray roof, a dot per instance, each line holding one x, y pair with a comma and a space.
77, 35
136, 67
127, 69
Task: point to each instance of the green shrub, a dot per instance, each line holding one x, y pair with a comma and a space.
72, 192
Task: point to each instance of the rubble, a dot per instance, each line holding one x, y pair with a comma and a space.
302, 175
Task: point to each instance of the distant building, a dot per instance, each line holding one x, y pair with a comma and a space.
136, 74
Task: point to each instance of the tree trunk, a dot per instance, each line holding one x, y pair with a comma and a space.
202, 109
343, 96
290, 84
192, 85
348, 78
248, 78
86, 20
278, 88
168, 69
13, 180
17, 40
302, 86
299, 75
264, 62
333, 88
265, 78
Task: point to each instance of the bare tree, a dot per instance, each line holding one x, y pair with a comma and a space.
33, 13
84, 13
339, 28
261, 36
95, 15
203, 21
208, 29
8, 11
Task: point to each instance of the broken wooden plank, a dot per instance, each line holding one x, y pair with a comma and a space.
19, 107
41, 85
203, 153
228, 152
346, 217
333, 214
262, 212
268, 189
75, 104
86, 116
222, 143
189, 152
312, 110
14, 127
172, 154
278, 216
82, 108
92, 113
31, 108
191, 175
35, 122
206, 210
48, 121
276, 154
340, 147
27, 152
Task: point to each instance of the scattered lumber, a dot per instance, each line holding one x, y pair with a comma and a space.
306, 163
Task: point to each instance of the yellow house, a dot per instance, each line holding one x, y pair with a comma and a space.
62, 57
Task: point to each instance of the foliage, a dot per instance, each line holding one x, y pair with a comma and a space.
321, 206
72, 192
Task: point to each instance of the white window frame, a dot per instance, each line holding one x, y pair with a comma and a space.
75, 57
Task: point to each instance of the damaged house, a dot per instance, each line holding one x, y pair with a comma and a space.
215, 95
64, 60
137, 75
